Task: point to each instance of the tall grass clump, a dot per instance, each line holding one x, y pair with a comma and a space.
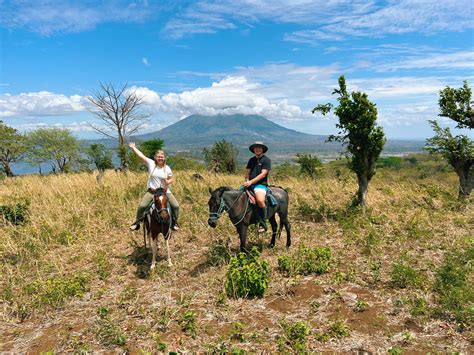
247, 275
16, 214
294, 337
305, 261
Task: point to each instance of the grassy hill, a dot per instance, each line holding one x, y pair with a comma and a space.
74, 278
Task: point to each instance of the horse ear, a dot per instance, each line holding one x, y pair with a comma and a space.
210, 190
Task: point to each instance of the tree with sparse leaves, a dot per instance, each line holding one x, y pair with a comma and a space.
120, 111
12, 147
364, 140
221, 157
54, 146
456, 104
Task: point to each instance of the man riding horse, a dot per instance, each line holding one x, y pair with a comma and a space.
256, 178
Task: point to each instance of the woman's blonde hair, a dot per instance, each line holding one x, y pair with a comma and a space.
160, 152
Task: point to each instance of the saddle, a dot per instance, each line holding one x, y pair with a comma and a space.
270, 200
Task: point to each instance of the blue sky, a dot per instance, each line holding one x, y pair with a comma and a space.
274, 58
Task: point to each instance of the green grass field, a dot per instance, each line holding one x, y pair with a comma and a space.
397, 279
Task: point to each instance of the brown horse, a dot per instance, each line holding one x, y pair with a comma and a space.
156, 222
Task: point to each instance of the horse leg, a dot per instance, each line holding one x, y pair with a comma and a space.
274, 225
154, 247
242, 229
168, 250
287, 225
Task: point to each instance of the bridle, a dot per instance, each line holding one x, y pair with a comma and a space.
214, 216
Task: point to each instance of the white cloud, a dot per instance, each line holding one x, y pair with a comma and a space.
328, 20
146, 62
48, 17
231, 95
42, 103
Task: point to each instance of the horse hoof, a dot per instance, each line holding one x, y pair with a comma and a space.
152, 266
170, 263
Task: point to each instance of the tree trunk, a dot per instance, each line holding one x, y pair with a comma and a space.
6, 168
466, 181
363, 182
122, 148
100, 176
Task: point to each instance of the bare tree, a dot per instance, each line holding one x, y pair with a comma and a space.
120, 110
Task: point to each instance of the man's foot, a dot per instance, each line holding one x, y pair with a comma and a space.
135, 226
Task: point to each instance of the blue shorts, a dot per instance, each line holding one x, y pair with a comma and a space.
260, 188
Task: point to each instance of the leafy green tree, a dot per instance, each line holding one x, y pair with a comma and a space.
149, 148
456, 104
221, 157
100, 156
12, 147
54, 146
358, 131
458, 151
309, 165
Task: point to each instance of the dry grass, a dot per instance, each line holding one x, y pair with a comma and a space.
74, 278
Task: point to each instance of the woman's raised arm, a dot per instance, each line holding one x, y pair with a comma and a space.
138, 153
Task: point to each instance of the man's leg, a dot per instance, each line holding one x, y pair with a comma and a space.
262, 210
175, 209
141, 210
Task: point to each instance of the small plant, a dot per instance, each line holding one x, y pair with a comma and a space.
160, 345
55, 291
453, 287
237, 332
16, 214
360, 305
103, 265
247, 275
189, 323
305, 261
419, 307
337, 329
393, 350
219, 253
293, 337
128, 295
106, 331
404, 276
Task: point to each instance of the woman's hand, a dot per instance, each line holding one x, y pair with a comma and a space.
247, 183
132, 145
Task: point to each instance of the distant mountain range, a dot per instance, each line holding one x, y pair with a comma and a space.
195, 132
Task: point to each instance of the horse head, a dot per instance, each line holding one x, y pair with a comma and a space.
216, 205
161, 203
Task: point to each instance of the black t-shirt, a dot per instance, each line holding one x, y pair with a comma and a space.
257, 165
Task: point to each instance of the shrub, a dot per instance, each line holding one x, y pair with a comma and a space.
309, 165
305, 261
404, 276
283, 171
316, 214
390, 163
55, 291
294, 336
16, 214
219, 253
453, 288
247, 275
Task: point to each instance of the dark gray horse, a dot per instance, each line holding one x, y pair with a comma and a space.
242, 213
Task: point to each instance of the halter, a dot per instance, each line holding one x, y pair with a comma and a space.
214, 216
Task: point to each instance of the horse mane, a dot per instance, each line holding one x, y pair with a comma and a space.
223, 189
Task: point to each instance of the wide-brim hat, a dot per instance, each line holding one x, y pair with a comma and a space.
258, 144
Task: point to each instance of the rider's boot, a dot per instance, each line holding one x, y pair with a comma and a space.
262, 216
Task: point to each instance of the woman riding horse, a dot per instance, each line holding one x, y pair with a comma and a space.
160, 176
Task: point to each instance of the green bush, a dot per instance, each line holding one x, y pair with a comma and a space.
294, 336
247, 275
390, 162
316, 214
305, 261
219, 253
283, 171
309, 165
55, 291
16, 214
404, 276
453, 286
